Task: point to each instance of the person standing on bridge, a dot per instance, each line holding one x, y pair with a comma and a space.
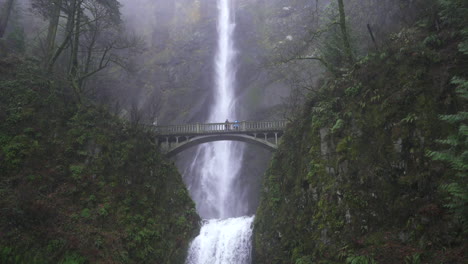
226, 126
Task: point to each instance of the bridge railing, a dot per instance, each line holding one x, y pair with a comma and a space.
209, 128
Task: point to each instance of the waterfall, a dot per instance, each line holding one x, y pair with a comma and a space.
226, 237
223, 242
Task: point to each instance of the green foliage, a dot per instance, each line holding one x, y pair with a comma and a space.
76, 171
103, 180
352, 173
14, 256
74, 259
433, 41
338, 125
360, 260
104, 210
353, 90
54, 246
413, 259
86, 213
457, 156
304, 260
463, 46
454, 12
17, 149
181, 221
410, 118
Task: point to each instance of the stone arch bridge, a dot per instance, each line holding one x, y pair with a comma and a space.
177, 138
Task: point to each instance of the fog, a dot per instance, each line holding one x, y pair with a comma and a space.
168, 77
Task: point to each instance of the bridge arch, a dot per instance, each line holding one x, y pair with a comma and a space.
194, 141
177, 138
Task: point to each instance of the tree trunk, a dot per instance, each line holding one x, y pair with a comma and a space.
76, 41
52, 31
372, 36
7, 7
73, 74
344, 32
70, 12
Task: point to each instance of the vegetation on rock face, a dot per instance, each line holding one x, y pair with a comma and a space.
455, 14
373, 170
79, 185
457, 157
358, 175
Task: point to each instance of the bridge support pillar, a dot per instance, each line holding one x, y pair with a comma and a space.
276, 138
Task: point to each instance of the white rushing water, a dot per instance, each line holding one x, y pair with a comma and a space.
226, 237
223, 241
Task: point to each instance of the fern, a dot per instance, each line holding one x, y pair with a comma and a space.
360, 260
453, 119
413, 259
462, 87
456, 155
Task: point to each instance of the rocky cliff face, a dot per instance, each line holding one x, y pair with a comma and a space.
351, 180
80, 185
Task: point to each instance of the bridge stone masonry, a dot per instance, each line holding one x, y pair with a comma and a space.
177, 138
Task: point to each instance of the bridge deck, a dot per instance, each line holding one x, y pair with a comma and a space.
243, 127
